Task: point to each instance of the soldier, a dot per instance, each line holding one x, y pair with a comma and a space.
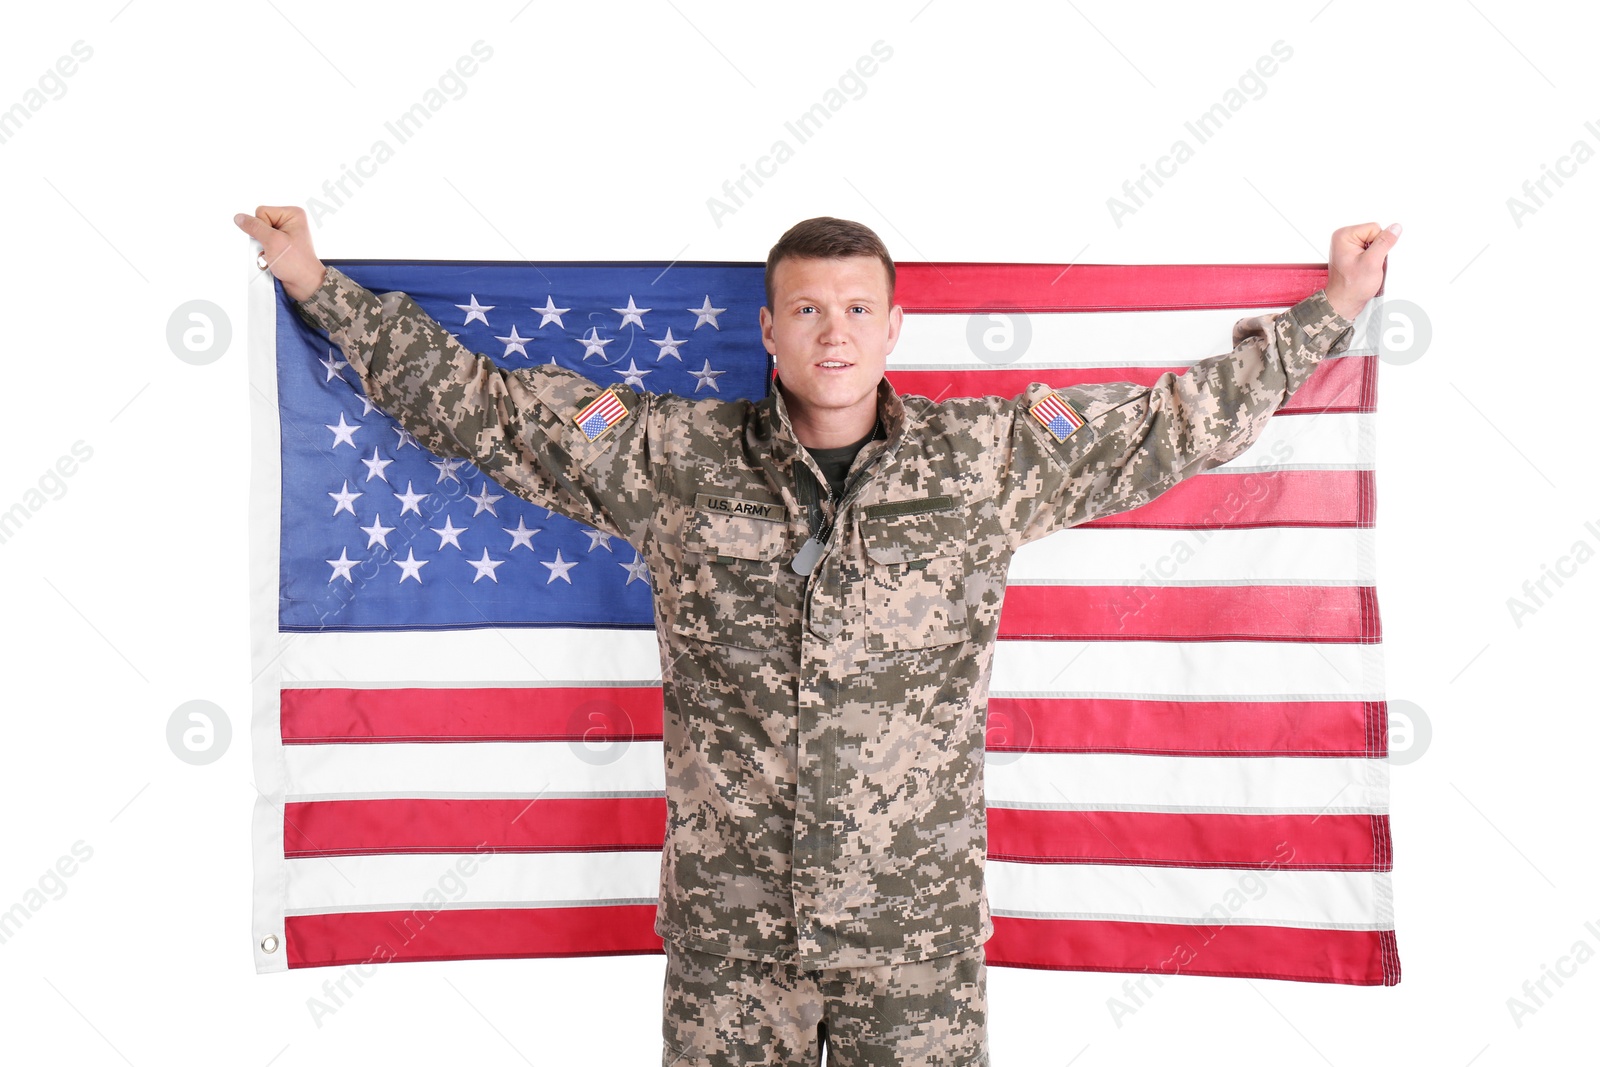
828, 565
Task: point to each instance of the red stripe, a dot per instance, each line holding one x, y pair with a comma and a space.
1190, 839
1051, 408
359, 827
606, 405
1158, 727
1349, 957
342, 938
1216, 501
554, 713
1188, 613
1338, 728
415, 826
1377, 712
1345, 384
1391, 957
973, 287
1353, 957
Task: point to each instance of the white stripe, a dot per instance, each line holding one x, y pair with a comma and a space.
1277, 785
1215, 670
547, 769
606, 405
1274, 556
1320, 899
1213, 896
371, 883
1086, 339
1193, 670
1046, 780
515, 656
1313, 441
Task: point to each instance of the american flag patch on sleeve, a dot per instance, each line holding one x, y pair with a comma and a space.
1057, 415
600, 414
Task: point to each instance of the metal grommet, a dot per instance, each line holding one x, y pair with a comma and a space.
269, 944
261, 259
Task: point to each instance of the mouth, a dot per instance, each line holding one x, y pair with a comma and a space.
834, 364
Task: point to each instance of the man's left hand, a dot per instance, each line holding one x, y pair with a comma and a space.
1355, 265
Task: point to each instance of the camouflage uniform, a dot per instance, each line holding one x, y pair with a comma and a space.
823, 736
755, 1013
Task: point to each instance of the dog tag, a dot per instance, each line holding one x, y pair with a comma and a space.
806, 561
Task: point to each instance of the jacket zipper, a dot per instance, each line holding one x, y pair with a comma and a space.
813, 505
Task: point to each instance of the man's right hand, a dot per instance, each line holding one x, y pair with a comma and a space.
286, 239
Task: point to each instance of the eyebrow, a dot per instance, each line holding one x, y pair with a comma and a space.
848, 300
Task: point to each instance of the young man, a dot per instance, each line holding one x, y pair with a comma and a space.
828, 566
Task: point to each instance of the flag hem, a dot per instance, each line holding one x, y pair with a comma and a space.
269, 866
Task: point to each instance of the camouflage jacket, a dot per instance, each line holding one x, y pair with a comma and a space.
823, 735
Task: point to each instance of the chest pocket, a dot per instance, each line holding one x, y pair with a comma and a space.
915, 580
734, 586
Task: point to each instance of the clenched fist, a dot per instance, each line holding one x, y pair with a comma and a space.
286, 240
1355, 265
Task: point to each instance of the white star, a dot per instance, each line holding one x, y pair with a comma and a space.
341, 566
558, 569
367, 406
410, 567
592, 345
515, 341
631, 312
484, 501
633, 375
375, 465
344, 433
410, 499
476, 310
597, 539
405, 438
669, 346
706, 376
377, 533
447, 467
485, 568
334, 365
706, 313
344, 499
521, 535
551, 313
636, 570
450, 533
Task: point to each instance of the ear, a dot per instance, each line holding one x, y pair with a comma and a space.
766, 331
896, 320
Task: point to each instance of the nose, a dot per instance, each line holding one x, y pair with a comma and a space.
833, 331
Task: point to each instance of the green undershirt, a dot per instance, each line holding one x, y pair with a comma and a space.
835, 462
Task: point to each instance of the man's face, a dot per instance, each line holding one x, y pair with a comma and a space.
831, 330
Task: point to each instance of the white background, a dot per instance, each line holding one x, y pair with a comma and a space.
996, 131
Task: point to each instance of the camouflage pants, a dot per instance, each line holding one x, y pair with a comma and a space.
720, 1010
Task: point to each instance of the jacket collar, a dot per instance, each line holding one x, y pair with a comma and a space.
775, 427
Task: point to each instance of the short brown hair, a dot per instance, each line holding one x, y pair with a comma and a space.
828, 238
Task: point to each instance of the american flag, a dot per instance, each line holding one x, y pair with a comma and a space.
457, 732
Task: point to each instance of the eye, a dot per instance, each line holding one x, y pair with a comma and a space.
806, 308
861, 308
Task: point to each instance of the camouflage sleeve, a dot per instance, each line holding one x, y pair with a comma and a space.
1084, 451
545, 433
